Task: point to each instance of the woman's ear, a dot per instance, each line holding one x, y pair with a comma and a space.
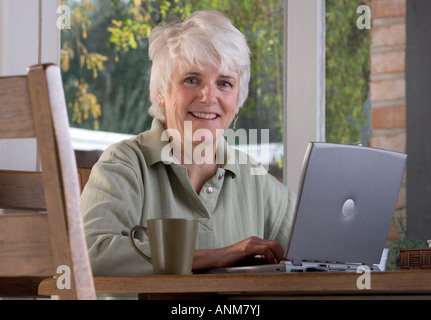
161, 99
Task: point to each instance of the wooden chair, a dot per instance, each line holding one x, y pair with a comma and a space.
83, 175
49, 241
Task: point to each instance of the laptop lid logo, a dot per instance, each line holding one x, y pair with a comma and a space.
348, 208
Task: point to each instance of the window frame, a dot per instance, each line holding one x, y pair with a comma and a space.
304, 114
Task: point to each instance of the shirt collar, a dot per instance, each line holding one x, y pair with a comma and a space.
152, 144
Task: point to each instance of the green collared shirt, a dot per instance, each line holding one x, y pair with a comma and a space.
131, 183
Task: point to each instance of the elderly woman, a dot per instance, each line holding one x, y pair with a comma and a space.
199, 80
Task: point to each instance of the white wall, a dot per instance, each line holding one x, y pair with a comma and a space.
305, 82
20, 47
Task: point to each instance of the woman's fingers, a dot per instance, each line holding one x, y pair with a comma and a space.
271, 250
255, 246
247, 249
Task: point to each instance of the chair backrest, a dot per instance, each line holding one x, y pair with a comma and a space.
51, 242
83, 175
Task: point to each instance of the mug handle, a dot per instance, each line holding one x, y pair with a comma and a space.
132, 241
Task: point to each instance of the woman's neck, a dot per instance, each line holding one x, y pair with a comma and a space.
199, 174
202, 165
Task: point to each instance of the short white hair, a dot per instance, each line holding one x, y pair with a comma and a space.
205, 37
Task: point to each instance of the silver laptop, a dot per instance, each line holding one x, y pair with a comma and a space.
346, 200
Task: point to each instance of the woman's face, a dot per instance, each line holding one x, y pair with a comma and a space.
205, 97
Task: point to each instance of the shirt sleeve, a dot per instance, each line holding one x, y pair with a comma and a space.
280, 209
111, 203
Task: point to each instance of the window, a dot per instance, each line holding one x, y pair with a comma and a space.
106, 69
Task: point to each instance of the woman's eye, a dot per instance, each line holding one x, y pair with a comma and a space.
191, 81
225, 84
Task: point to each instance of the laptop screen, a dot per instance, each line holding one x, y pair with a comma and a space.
346, 200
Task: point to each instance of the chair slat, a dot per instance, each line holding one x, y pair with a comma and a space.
21, 190
25, 245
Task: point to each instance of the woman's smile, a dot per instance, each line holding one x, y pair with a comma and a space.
206, 116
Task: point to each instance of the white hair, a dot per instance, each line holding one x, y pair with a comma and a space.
205, 37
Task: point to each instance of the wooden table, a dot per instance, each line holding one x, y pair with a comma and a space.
392, 285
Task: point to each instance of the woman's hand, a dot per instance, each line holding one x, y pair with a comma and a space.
271, 251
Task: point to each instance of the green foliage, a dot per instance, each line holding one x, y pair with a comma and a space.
117, 79
84, 105
347, 72
134, 28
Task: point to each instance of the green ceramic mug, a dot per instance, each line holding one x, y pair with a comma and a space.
172, 244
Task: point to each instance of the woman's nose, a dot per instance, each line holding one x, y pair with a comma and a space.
209, 94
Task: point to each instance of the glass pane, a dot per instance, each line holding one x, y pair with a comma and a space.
347, 73
106, 69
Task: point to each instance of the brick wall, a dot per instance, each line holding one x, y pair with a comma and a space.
387, 85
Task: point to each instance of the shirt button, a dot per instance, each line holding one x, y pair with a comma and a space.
210, 190
220, 176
